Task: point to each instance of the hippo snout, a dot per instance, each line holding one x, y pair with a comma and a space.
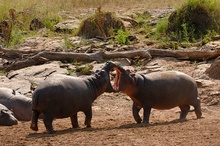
14, 121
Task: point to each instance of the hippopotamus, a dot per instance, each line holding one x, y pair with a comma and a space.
18, 103
63, 96
6, 117
158, 90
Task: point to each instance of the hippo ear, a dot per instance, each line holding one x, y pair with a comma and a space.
128, 70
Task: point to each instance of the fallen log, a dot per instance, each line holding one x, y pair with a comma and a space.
185, 54
14, 54
45, 56
29, 58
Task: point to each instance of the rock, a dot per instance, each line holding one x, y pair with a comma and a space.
24, 80
42, 43
130, 20
123, 61
67, 26
36, 24
214, 70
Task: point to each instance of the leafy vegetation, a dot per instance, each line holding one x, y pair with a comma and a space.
2, 73
193, 21
84, 70
122, 37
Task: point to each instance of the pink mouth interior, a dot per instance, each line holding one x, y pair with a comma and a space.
116, 80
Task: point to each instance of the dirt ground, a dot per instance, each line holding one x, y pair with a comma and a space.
113, 124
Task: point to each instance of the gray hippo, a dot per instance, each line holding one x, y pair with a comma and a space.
6, 117
19, 104
159, 90
63, 96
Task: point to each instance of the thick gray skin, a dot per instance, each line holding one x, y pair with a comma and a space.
162, 90
6, 117
63, 96
19, 104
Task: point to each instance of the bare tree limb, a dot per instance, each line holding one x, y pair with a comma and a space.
185, 54
29, 58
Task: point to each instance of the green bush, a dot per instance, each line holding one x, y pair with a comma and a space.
194, 20
122, 37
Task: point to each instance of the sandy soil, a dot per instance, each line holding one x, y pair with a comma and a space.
113, 124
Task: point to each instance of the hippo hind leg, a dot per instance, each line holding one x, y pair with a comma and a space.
184, 111
88, 118
74, 121
34, 120
197, 108
48, 119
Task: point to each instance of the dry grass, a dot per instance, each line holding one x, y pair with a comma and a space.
52, 7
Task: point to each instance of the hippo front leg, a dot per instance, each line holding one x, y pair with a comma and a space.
74, 121
88, 118
135, 111
147, 110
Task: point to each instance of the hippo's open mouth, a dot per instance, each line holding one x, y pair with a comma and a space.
116, 79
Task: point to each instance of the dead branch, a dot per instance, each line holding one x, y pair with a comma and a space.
185, 54
40, 57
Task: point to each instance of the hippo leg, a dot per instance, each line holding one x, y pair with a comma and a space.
74, 121
184, 111
147, 110
34, 120
197, 108
135, 111
88, 118
48, 119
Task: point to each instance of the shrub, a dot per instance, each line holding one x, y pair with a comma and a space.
100, 24
194, 20
122, 37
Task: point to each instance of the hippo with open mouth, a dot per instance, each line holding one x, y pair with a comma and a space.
159, 90
6, 117
63, 96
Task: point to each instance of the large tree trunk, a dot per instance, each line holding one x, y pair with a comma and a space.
21, 59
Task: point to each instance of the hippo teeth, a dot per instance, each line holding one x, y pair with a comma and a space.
116, 79
115, 88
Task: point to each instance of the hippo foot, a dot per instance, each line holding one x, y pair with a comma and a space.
51, 131
76, 126
34, 127
146, 122
88, 126
199, 115
138, 120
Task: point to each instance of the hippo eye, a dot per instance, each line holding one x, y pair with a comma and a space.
97, 71
102, 72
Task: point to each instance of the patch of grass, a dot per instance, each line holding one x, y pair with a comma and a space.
122, 37
84, 70
70, 71
2, 73
67, 42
